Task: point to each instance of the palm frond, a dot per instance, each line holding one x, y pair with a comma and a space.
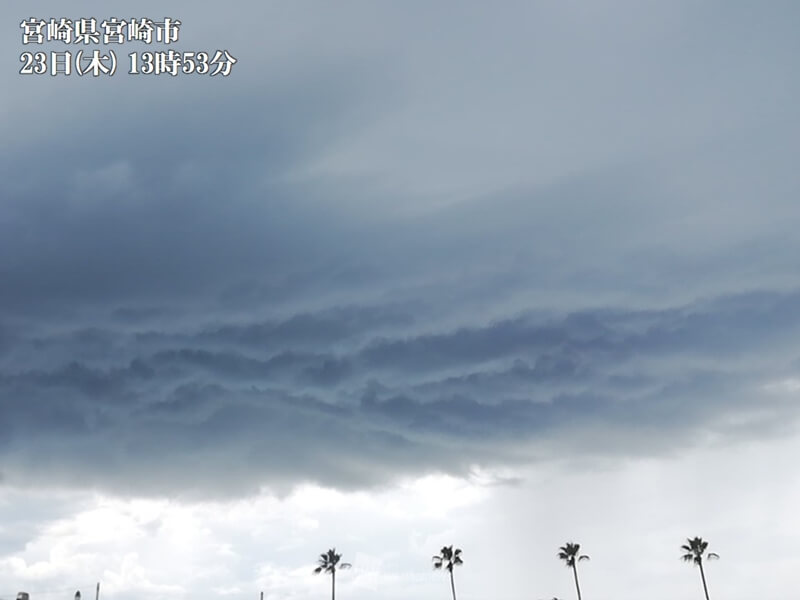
447, 558
695, 549
328, 562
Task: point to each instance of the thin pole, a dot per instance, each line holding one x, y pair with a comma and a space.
262, 595
97, 592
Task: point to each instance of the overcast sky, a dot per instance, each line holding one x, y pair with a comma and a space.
498, 275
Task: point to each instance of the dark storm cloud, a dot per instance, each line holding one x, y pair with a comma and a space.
726, 326
325, 327
169, 202
382, 248
191, 419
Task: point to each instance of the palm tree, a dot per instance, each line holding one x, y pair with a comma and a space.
694, 553
448, 558
569, 554
329, 562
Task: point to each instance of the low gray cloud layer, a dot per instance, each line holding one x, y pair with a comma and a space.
353, 400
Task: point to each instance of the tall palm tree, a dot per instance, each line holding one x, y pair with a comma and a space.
569, 554
329, 562
447, 559
694, 551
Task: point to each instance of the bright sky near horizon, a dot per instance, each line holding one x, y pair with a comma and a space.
497, 275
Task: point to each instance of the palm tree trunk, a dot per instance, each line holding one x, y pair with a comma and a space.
703, 575
577, 586
333, 585
453, 585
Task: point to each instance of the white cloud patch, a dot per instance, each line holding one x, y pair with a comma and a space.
509, 534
